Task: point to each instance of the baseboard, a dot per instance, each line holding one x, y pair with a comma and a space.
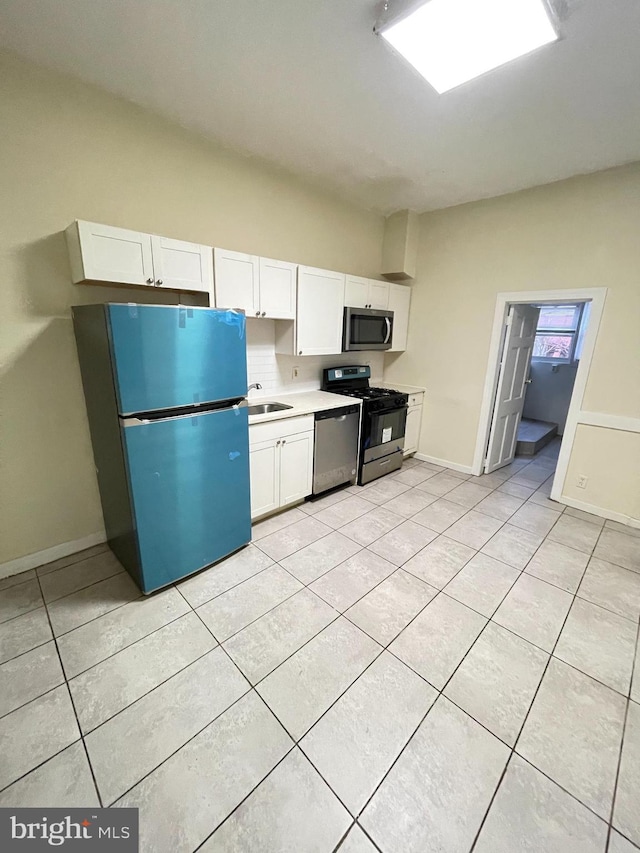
41, 558
601, 511
455, 466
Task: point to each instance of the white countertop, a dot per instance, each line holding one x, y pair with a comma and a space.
301, 402
406, 389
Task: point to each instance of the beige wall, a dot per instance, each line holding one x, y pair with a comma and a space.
69, 151
584, 232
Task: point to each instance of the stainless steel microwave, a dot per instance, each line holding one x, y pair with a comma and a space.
367, 329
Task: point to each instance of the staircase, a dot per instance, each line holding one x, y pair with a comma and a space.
533, 436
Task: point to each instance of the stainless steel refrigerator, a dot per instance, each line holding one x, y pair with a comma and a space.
165, 388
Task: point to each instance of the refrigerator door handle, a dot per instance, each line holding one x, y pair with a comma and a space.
133, 421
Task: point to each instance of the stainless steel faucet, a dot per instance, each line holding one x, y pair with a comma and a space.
255, 385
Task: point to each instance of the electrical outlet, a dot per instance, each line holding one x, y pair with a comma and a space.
295, 372
582, 481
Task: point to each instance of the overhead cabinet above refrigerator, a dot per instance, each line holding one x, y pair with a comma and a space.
261, 287
103, 253
165, 389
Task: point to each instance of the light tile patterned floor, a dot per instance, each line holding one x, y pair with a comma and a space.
434, 662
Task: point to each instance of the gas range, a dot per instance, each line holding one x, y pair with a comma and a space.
354, 382
377, 399
384, 415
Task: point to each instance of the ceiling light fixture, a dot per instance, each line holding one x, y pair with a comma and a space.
452, 41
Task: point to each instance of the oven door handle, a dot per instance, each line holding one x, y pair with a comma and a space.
388, 335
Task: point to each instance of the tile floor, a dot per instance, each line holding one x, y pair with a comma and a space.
434, 662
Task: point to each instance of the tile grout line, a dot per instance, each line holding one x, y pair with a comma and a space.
295, 741
396, 569
73, 706
526, 717
439, 692
624, 731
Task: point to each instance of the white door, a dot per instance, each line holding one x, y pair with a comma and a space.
399, 303
264, 464
296, 467
115, 254
277, 289
356, 292
412, 429
514, 369
320, 311
378, 294
237, 281
180, 265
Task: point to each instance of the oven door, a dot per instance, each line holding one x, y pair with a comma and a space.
383, 433
367, 329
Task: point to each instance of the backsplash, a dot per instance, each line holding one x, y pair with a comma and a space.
275, 372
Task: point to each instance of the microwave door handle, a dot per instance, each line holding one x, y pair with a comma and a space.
388, 335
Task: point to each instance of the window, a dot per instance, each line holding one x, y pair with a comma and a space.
558, 333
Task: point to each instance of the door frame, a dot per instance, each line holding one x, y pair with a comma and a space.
597, 297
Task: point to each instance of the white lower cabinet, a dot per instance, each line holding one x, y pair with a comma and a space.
264, 459
281, 461
414, 422
296, 467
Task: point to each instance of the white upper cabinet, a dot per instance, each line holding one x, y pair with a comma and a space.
116, 255
356, 292
237, 282
366, 293
378, 294
260, 286
277, 289
182, 266
399, 303
103, 253
320, 311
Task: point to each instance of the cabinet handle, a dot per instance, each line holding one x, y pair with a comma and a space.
277, 442
264, 313
159, 282
257, 313
300, 353
284, 440
149, 281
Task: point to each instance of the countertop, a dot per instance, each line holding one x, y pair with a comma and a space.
301, 402
406, 389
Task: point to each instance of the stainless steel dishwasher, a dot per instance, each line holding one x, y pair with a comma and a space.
335, 455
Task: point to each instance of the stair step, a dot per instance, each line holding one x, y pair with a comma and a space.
533, 436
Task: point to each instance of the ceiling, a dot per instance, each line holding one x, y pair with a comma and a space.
305, 85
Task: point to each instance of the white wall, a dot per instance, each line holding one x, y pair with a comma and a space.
579, 233
275, 372
67, 151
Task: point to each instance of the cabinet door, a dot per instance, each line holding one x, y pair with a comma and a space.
320, 311
277, 289
237, 281
356, 292
378, 294
296, 467
115, 254
412, 429
182, 266
264, 462
399, 302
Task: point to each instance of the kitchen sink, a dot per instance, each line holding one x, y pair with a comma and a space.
266, 408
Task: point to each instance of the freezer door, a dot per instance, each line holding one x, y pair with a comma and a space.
189, 483
166, 356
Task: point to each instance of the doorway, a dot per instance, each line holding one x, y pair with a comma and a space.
553, 368
528, 350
